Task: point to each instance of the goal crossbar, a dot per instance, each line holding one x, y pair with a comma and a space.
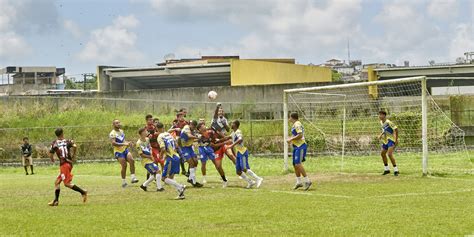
424, 108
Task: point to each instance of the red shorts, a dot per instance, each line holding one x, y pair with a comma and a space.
221, 151
155, 153
65, 173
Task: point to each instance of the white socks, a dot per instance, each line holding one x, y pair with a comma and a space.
298, 180
148, 181
124, 181
158, 181
252, 174
133, 176
386, 168
172, 182
306, 179
244, 177
192, 174
395, 168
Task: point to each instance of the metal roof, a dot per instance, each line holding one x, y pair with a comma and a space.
173, 76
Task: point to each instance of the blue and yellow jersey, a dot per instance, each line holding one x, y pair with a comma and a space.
184, 136
236, 135
295, 130
388, 129
119, 137
144, 147
165, 140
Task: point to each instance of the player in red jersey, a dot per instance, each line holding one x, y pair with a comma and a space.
66, 151
221, 126
153, 137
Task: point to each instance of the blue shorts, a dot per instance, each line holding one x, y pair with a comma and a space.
242, 162
152, 168
122, 155
299, 154
206, 153
187, 152
389, 144
171, 166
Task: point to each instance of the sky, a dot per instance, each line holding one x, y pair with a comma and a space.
81, 34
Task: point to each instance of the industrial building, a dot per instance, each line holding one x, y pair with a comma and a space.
30, 80
211, 71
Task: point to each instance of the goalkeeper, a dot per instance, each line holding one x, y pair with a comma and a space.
389, 137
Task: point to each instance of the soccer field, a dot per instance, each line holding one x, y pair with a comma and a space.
357, 202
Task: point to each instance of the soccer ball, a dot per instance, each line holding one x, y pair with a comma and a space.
212, 95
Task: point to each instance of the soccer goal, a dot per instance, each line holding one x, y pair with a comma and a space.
341, 121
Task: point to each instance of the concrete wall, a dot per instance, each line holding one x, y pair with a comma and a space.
253, 72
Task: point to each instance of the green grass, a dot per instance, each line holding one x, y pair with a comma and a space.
357, 202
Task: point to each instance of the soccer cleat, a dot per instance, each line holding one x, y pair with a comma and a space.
297, 186
224, 184
196, 184
143, 187
259, 182
181, 192
307, 185
53, 203
26, 173
250, 184
124, 185
84, 197
396, 173
180, 197
134, 181
385, 172
160, 189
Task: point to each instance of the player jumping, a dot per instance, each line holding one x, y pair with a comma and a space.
299, 151
207, 153
121, 152
66, 151
220, 125
242, 166
389, 137
168, 151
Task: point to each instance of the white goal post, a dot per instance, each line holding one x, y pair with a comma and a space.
313, 102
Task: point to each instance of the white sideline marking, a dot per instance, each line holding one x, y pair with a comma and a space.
458, 179
311, 194
424, 193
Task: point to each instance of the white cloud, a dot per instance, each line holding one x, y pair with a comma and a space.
463, 41
113, 44
72, 28
276, 28
443, 9
417, 31
12, 45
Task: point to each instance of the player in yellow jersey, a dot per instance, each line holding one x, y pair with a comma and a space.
242, 166
121, 152
389, 137
299, 151
144, 150
187, 137
168, 152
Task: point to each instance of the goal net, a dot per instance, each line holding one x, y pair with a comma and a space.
341, 121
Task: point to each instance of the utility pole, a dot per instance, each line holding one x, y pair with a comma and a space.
84, 81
